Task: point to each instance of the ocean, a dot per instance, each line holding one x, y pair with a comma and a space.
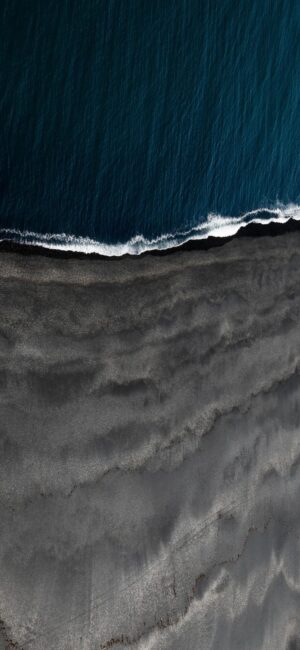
134, 124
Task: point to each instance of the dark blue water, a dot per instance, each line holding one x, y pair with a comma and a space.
127, 117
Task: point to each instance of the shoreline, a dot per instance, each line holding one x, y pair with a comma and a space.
252, 229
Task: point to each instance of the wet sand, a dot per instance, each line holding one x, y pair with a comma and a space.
150, 448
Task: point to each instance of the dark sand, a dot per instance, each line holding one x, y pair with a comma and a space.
150, 448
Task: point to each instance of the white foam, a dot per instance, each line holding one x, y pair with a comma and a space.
214, 226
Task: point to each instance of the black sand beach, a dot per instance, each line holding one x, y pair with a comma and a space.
150, 449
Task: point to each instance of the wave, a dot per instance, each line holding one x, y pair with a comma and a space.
215, 225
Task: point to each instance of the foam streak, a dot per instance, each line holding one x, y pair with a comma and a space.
214, 226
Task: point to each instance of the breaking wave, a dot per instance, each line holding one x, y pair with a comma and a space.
214, 226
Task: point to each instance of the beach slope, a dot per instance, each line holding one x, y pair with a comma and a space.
150, 449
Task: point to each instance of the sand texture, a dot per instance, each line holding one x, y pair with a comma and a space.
150, 450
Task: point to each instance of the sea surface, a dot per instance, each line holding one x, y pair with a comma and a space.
135, 124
